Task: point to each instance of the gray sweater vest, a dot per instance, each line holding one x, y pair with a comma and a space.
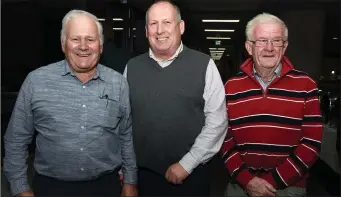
167, 107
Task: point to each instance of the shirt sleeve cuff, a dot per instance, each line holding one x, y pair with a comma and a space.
244, 177
268, 177
130, 177
188, 163
18, 186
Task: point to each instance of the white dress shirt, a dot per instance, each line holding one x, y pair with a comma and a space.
212, 135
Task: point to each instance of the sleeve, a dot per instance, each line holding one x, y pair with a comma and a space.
209, 141
125, 71
19, 134
129, 168
307, 151
232, 159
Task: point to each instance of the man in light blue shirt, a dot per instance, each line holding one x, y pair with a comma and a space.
81, 112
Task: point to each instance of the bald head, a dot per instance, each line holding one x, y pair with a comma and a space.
176, 9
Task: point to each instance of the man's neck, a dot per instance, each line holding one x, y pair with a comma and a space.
164, 56
266, 74
86, 76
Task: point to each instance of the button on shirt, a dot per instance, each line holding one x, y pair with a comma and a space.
84, 129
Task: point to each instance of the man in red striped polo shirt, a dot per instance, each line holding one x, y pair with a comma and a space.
275, 129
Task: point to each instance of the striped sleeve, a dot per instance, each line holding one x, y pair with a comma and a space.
233, 161
307, 152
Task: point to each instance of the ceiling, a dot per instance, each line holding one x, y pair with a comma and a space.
193, 11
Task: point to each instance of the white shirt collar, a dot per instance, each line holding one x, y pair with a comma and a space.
180, 48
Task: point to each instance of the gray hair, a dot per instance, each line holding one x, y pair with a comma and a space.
178, 14
264, 18
75, 13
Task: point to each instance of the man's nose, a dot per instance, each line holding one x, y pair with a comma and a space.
160, 28
83, 45
269, 45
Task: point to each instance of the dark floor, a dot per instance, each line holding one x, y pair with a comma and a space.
323, 177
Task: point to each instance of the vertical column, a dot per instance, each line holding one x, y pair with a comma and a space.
306, 30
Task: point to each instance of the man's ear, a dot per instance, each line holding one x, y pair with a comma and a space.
285, 46
182, 26
63, 46
248, 47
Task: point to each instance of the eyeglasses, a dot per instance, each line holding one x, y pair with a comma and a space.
264, 42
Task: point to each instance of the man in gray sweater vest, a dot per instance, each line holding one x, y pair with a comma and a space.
178, 109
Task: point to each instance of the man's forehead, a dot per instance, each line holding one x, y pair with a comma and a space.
162, 9
268, 28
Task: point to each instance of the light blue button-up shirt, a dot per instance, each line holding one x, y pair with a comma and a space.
84, 129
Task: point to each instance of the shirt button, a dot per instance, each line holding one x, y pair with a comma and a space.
82, 169
83, 86
84, 105
82, 127
82, 149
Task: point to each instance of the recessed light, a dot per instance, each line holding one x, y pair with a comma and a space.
117, 28
101, 19
217, 51
219, 21
335, 38
219, 30
218, 38
117, 19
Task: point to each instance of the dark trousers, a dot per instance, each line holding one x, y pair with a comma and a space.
153, 184
326, 176
105, 185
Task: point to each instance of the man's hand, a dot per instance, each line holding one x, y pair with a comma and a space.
259, 187
129, 190
25, 193
176, 174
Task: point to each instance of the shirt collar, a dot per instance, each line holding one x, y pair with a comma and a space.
176, 54
68, 70
277, 71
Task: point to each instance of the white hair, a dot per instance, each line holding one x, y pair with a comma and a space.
76, 13
264, 18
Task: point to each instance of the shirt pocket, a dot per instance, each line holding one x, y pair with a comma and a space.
110, 115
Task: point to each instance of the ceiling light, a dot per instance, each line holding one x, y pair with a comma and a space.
221, 48
117, 19
216, 54
217, 51
335, 38
227, 54
333, 72
218, 38
117, 28
219, 21
219, 30
212, 48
